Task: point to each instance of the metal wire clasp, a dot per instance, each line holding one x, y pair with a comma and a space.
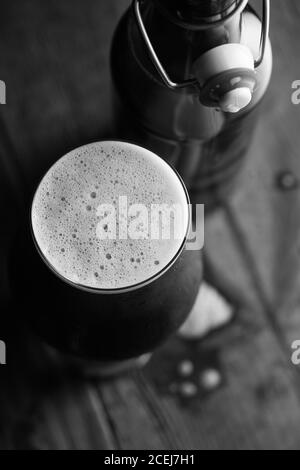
193, 81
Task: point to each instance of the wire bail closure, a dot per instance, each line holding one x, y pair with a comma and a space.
193, 81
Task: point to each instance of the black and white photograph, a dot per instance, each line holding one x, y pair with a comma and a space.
150, 227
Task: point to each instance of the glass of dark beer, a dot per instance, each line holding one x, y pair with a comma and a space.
103, 273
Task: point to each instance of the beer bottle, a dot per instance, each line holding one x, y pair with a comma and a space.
189, 76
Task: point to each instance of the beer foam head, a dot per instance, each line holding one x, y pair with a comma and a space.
110, 215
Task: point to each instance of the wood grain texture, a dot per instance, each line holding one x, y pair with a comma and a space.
54, 57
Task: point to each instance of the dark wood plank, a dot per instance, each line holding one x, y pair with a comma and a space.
256, 405
263, 216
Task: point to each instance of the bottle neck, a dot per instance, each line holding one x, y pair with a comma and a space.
177, 46
194, 12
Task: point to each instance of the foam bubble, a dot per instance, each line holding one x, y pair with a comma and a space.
67, 221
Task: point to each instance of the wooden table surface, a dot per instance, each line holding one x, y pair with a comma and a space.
54, 58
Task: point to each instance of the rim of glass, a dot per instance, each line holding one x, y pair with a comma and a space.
118, 290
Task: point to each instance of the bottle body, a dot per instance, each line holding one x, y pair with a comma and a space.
205, 145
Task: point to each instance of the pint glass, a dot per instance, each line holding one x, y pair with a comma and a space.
101, 272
